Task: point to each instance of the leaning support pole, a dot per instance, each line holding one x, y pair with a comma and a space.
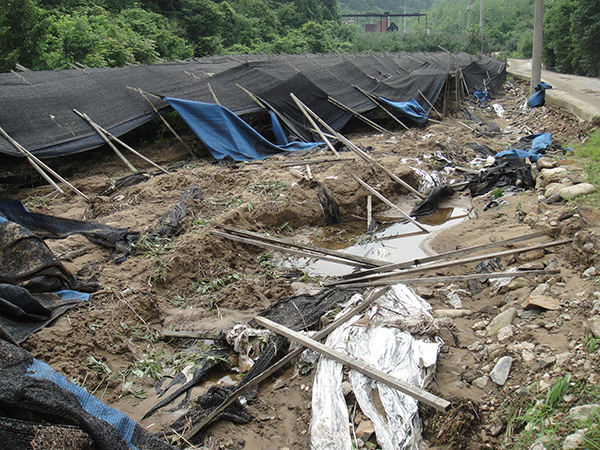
132, 150
40, 163
285, 360
360, 366
360, 116
167, 124
387, 202
302, 107
105, 138
362, 154
374, 99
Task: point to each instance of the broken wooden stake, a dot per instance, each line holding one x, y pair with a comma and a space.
304, 109
448, 255
366, 120
387, 202
455, 262
359, 260
360, 366
449, 279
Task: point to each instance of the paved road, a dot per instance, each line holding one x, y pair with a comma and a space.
578, 95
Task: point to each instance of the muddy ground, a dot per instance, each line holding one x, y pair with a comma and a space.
199, 282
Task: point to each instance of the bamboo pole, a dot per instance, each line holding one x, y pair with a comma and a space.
285, 360
132, 150
360, 366
40, 163
167, 124
362, 154
303, 109
429, 103
360, 116
387, 202
213, 94
108, 141
369, 212
373, 99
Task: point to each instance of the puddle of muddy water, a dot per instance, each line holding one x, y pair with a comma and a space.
394, 241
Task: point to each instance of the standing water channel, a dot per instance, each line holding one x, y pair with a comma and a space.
394, 241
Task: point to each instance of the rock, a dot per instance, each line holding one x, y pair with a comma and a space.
425, 292
544, 163
547, 173
346, 388
528, 355
590, 272
571, 192
563, 358
553, 188
574, 440
481, 382
531, 255
365, 429
452, 312
502, 320
582, 412
487, 309
540, 301
505, 333
531, 266
546, 361
499, 374
593, 325
475, 346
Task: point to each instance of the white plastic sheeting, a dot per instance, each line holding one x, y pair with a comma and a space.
370, 337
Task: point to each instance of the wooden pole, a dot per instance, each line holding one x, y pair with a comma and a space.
450, 279
448, 255
105, 138
360, 116
304, 110
167, 124
132, 150
360, 366
429, 103
360, 259
387, 202
373, 98
456, 262
213, 94
285, 360
41, 164
363, 155
287, 250
369, 211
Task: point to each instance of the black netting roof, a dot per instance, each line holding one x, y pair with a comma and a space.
37, 107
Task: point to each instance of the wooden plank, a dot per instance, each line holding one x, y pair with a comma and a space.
449, 279
286, 250
297, 162
284, 361
455, 262
451, 254
390, 204
358, 365
360, 259
210, 335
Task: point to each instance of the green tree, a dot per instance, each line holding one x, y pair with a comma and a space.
18, 19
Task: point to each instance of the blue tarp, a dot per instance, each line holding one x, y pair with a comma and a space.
539, 142
539, 98
481, 96
225, 134
410, 109
280, 136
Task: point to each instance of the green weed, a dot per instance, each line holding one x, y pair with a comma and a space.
202, 223
274, 189
34, 201
99, 366
227, 204
150, 366
591, 342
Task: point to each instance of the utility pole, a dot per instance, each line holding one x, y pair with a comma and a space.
536, 60
481, 24
404, 17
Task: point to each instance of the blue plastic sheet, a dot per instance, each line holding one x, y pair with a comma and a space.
225, 134
539, 98
280, 136
410, 109
539, 142
481, 96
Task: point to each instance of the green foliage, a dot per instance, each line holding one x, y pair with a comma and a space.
572, 37
149, 366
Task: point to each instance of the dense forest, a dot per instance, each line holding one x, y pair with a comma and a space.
56, 34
